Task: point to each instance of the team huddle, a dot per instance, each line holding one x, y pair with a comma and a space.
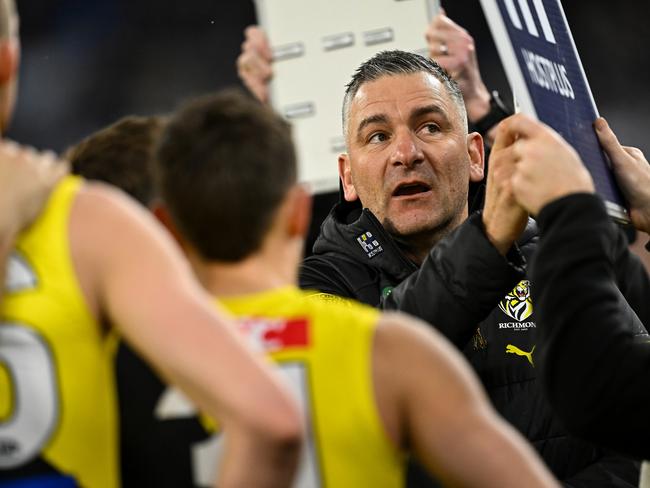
160, 327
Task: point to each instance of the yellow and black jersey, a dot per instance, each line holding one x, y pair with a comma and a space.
324, 349
58, 423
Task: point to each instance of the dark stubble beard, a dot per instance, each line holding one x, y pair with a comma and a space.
417, 244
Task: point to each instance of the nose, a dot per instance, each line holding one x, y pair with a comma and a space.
406, 150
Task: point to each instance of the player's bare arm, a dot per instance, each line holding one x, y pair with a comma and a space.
142, 283
433, 406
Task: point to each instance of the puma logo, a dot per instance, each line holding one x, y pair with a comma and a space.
515, 350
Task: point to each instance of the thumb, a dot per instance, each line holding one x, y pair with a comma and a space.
505, 135
609, 141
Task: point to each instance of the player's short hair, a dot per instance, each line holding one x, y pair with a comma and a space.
225, 162
391, 63
120, 154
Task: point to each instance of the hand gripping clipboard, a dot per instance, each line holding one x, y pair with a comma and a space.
549, 83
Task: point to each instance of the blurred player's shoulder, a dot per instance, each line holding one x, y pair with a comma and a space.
336, 307
291, 301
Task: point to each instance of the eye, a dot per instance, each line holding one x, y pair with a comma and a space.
377, 137
430, 128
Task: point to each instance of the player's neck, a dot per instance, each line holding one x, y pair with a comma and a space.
270, 268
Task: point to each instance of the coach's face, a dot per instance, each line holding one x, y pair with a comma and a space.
409, 157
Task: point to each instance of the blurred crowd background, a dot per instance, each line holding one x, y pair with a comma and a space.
87, 63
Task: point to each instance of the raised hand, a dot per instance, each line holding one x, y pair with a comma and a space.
254, 64
546, 167
632, 173
27, 178
453, 48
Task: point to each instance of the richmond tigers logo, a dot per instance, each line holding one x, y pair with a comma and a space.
517, 304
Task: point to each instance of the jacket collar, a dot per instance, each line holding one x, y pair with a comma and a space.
347, 224
354, 231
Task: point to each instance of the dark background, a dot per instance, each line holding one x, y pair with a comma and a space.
88, 62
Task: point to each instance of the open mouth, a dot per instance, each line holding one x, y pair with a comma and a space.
409, 189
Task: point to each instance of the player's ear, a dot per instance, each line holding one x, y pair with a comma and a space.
300, 211
162, 214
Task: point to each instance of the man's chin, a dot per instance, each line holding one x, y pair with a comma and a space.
414, 225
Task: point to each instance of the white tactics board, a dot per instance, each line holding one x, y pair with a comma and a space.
317, 45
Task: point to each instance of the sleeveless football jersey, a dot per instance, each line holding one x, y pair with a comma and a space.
324, 349
57, 400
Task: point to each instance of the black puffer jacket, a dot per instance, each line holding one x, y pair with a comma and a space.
481, 302
605, 396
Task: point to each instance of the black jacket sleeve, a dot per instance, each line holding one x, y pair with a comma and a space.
595, 370
459, 283
629, 272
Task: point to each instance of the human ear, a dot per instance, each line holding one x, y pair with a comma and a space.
345, 173
476, 152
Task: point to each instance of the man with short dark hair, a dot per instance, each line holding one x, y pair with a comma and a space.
372, 384
401, 238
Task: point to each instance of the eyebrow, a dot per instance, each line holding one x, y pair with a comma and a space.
428, 110
415, 114
373, 119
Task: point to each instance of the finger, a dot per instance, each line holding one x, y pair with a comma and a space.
251, 31
509, 155
438, 20
435, 28
519, 186
48, 153
634, 152
48, 160
448, 25
52, 168
439, 50
266, 51
505, 136
30, 153
608, 140
247, 65
240, 66
260, 69
244, 58
434, 37
259, 41
515, 127
64, 165
9, 148
61, 169
519, 148
502, 166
